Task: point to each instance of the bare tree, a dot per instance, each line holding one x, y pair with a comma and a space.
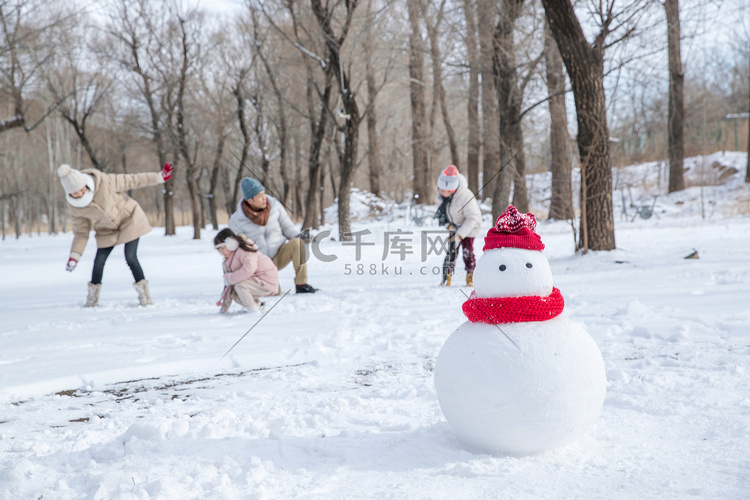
741, 44
216, 106
585, 65
317, 113
240, 95
486, 16
214, 175
373, 148
133, 43
676, 119
351, 113
257, 100
561, 198
82, 93
187, 54
28, 30
509, 95
473, 139
260, 49
420, 185
433, 32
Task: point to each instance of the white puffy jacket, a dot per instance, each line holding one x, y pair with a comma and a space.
270, 237
463, 210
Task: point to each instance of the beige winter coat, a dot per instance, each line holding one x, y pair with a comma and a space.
463, 210
114, 216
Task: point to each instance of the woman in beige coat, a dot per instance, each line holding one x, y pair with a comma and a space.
98, 201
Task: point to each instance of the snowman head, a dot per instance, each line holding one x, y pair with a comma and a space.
513, 264
512, 272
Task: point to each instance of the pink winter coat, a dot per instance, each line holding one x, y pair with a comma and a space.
242, 265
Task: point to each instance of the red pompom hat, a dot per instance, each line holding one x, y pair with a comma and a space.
448, 179
513, 230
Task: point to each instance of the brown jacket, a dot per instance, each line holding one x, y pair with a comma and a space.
114, 216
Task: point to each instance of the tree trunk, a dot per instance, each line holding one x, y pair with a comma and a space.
520, 191
260, 137
439, 90
561, 198
676, 120
51, 190
490, 119
348, 165
157, 137
373, 149
281, 126
585, 65
351, 110
512, 157
420, 184
473, 141
322, 190
16, 216
317, 134
239, 95
214, 181
182, 134
298, 182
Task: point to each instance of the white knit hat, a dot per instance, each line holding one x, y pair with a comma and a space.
72, 179
448, 179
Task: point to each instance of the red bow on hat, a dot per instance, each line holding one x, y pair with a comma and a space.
513, 230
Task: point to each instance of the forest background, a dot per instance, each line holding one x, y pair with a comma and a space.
316, 98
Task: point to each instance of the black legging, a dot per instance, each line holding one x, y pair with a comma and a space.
131, 257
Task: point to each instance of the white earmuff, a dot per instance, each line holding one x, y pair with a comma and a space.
232, 244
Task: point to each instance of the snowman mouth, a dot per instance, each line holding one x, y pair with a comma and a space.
498, 310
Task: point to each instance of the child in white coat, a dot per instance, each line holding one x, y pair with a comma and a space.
459, 210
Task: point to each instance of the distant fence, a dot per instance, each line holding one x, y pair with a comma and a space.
734, 132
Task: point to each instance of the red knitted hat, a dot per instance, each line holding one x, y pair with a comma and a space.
513, 230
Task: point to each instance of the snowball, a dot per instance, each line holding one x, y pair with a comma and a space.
501, 399
512, 272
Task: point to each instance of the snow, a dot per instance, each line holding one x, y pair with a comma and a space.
331, 395
543, 390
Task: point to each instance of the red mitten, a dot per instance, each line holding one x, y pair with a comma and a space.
72, 263
166, 172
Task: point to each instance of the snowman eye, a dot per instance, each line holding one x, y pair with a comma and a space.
502, 267
529, 265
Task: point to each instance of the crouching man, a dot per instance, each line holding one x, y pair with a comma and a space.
263, 219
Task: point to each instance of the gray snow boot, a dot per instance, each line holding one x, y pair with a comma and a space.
144, 297
93, 298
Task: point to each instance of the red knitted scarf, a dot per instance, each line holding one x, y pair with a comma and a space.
513, 309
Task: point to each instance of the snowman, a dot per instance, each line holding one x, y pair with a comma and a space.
517, 378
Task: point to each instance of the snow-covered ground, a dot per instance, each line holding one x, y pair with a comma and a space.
331, 395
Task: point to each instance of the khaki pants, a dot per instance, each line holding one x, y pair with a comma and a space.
293, 251
247, 292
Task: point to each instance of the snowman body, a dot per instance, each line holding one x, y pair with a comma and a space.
520, 387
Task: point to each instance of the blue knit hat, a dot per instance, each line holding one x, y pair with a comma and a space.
251, 187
